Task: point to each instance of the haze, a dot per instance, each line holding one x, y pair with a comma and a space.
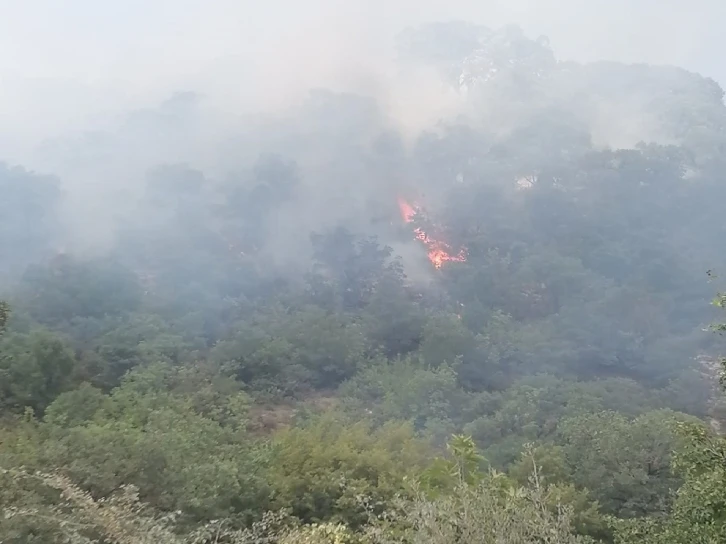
264, 263
69, 65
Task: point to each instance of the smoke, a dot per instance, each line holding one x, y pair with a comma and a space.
101, 92
82, 61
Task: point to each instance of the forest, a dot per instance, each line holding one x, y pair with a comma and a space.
500, 328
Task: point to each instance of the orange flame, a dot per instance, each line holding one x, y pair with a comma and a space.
438, 252
407, 211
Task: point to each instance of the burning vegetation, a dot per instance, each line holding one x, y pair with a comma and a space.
438, 251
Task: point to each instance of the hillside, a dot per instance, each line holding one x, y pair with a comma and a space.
294, 334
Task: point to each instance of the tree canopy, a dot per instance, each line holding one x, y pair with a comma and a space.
334, 329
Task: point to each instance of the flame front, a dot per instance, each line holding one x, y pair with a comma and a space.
438, 252
407, 211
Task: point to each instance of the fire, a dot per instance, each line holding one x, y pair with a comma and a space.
407, 211
438, 252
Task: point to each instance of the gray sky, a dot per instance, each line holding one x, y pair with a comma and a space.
127, 38
64, 61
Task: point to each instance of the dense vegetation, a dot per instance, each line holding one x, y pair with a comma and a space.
267, 355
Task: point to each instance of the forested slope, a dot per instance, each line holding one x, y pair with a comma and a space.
279, 349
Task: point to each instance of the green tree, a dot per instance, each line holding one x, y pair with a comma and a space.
34, 369
464, 466
68, 288
183, 450
586, 515
29, 208
460, 500
404, 389
698, 513
293, 350
330, 470
4, 314
625, 463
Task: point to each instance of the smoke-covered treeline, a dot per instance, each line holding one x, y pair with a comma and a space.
285, 323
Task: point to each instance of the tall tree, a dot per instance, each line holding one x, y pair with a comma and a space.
4, 314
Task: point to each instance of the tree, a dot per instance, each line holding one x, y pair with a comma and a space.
29, 208
34, 369
290, 351
330, 470
460, 501
160, 431
698, 512
406, 389
626, 464
350, 269
68, 288
697, 515
4, 314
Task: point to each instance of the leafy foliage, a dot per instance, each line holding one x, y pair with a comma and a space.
34, 369
330, 470
697, 513
270, 356
4, 314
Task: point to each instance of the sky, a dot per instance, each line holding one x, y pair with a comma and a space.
64, 63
